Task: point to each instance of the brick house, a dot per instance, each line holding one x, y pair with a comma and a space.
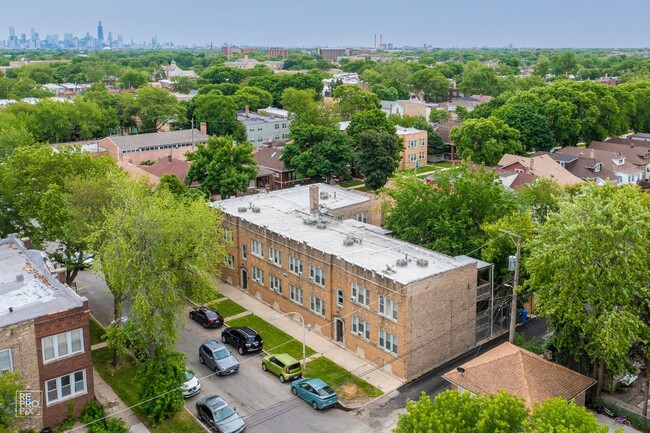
403, 308
414, 142
271, 171
44, 333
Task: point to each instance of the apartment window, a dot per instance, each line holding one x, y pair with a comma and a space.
422, 155
252, 129
412, 144
360, 327
260, 139
230, 261
387, 341
422, 142
413, 157
275, 284
339, 297
65, 387
227, 235
258, 275
284, 125
387, 307
277, 126
257, 249
362, 217
259, 128
295, 265
274, 256
295, 294
6, 361
360, 295
243, 251
316, 275
317, 305
60, 345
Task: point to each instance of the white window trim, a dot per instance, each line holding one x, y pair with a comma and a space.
313, 308
275, 284
317, 275
295, 265
73, 392
358, 324
55, 345
11, 360
257, 249
298, 291
355, 291
258, 275
383, 303
275, 256
230, 261
385, 338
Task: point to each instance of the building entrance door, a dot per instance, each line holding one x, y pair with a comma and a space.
340, 329
244, 279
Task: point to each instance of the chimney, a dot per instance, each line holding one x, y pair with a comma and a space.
381, 43
313, 201
375, 41
60, 275
246, 111
169, 157
203, 128
27, 242
532, 164
591, 153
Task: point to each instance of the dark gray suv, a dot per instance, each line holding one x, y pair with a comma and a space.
218, 415
216, 356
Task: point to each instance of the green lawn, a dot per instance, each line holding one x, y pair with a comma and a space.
426, 169
365, 189
349, 183
96, 332
127, 388
274, 338
227, 308
336, 376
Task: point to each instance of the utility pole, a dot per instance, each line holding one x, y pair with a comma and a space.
516, 239
192, 134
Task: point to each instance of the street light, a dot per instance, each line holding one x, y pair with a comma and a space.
302, 320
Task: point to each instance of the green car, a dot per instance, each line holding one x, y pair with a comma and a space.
286, 367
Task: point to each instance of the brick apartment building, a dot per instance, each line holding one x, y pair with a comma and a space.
277, 52
415, 146
44, 334
333, 53
310, 249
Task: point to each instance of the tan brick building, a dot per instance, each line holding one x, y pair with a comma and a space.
401, 307
44, 335
415, 145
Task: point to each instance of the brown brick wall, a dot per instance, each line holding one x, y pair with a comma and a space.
55, 324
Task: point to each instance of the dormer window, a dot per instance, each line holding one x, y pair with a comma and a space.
597, 167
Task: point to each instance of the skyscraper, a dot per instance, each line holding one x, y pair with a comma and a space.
100, 32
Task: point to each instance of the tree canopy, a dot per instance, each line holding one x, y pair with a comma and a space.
485, 141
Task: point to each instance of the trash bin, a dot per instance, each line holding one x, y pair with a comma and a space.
522, 314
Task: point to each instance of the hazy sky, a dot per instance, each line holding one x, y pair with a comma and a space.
308, 23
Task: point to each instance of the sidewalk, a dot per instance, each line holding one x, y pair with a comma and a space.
112, 403
358, 366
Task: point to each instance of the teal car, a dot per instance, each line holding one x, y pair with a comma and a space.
315, 392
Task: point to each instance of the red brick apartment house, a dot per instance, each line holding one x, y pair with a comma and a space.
44, 335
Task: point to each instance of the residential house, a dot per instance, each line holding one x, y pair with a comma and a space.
636, 152
541, 166
509, 179
161, 167
262, 128
520, 372
411, 107
312, 250
44, 335
272, 174
173, 70
586, 168
443, 129
414, 145
612, 161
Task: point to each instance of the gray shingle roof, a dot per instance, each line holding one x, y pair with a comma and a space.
125, 142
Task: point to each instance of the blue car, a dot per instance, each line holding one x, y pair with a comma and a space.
315, 392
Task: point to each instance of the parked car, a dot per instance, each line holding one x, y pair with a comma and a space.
244, 338
86, 262
217, 356
191, 387
206, 317
218, 415
285, 366
315, 392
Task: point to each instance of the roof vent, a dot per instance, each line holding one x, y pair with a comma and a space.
256, 209
401, 262
324, 195
242, 208
309, 221
348, 242
422, 262
20, 277
321, 225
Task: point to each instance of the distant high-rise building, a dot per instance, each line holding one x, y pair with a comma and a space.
100, 32
12, 32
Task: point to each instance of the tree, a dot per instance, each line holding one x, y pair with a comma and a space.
155, 107
352, 99
542, 197
378, 156
183, 84
485, 141
385, 93
370, 120
222, 166
447, 215
252, 97
438, 116
542, 66
534, 132
221, 74
479, 79
434, 85
318, 151
557, 415
10, 384
132, 79
218, 111
588, 267
161, 379
154, 250
298, 101
564, 63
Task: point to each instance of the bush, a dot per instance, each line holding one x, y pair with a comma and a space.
93, 412
162, 377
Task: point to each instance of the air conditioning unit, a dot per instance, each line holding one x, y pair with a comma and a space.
300, 273
311, 279
360, 333
353, 298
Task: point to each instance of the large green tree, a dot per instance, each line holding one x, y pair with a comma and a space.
222, 166
485, 141
588, 267
218, 111
430, 81
479, 79
10, 384
378, 156
155, 107
352, 99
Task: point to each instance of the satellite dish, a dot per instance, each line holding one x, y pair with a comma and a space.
461, 370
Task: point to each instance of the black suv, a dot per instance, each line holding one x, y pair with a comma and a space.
244, 338
206, 317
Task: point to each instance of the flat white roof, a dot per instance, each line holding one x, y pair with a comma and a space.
286, 212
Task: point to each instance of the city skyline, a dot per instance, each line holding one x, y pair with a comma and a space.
462, 23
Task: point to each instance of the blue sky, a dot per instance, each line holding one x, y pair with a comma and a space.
307, 23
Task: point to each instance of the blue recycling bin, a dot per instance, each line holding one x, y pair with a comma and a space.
522, 315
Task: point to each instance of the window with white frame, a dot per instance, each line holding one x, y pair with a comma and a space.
258, 275
361, 217
284, 125
6, 361
422, 142
227, 235
360, 295
317, 305
412, 144
256, 248
275, 284
65, 387
243, 251
422, 155
295, 265
387, 341
339, 296
295, 294
360, 327
277, 126
316, 275
413, 157
274, 256
230, 261
61, 345
387, 307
